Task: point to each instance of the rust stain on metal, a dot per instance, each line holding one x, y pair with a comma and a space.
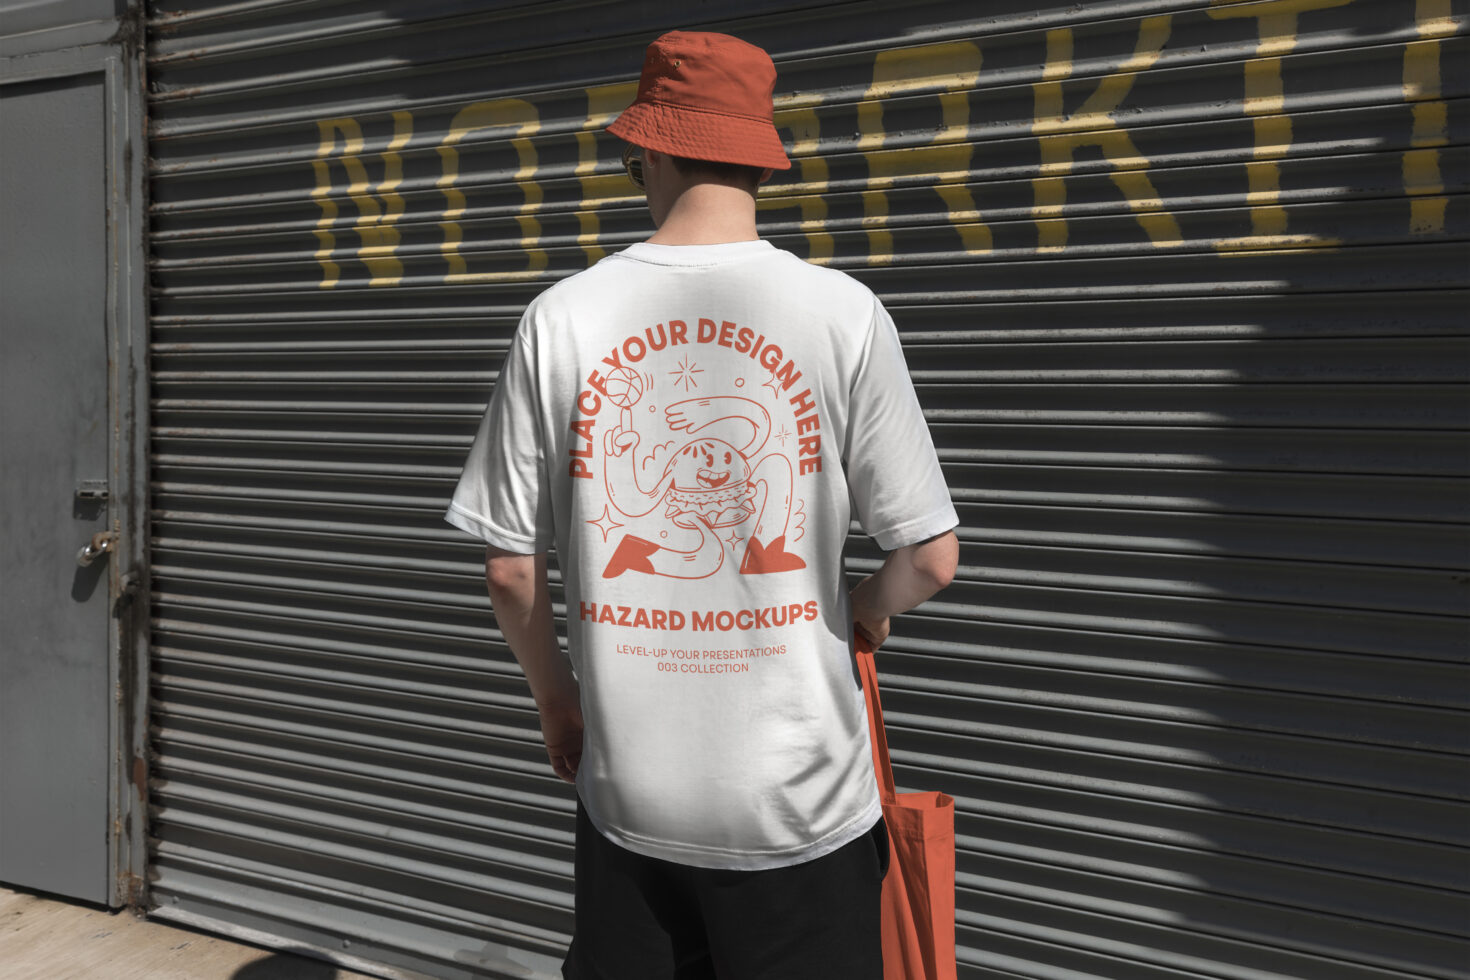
135, 891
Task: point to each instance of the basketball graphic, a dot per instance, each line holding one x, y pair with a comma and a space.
624, 387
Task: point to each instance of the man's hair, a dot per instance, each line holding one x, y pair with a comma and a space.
735, 173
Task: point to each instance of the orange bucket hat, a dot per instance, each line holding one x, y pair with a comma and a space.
705, 96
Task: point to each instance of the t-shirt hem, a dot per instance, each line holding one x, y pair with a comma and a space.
489, 533
732, 860
918, 529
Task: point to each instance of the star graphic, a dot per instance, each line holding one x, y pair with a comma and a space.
734, 540
774, 384
685, 375
605, 523
782, 436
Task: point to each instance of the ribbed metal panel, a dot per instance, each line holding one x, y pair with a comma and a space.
1182, 286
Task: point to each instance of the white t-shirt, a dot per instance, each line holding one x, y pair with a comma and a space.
685, 425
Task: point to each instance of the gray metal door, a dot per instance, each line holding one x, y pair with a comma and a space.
54, 647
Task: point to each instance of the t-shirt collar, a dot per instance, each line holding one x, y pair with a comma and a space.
694, 255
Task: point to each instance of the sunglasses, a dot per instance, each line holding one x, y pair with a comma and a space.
633, 163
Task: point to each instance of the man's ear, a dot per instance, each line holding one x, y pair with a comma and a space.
765, 175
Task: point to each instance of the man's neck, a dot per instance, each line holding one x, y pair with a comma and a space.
708, 214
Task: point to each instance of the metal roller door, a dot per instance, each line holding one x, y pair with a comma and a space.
1182, 287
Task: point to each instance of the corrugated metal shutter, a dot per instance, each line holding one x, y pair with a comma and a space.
1182, 286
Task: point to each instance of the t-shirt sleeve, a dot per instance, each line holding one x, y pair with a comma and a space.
504, 495
892, 469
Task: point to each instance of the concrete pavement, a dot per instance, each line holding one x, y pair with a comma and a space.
47, 937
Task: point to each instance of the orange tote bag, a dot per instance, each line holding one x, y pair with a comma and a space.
918, 893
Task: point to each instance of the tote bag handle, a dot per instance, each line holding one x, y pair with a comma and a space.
868, 671
918, 899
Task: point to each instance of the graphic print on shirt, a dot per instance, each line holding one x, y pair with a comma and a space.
696, 476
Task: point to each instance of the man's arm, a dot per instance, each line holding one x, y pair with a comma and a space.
909, 575
521, 595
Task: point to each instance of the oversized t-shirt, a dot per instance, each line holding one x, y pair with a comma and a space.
694, 428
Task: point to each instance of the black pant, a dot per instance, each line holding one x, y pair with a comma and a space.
640, 918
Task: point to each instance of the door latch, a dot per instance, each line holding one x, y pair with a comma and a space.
101, 543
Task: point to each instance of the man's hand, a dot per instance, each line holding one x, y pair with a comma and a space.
874, 631
521, 596
561, 730
909, 575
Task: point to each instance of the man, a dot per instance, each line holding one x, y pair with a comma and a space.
690, 422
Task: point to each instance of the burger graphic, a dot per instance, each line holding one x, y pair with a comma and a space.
716, 488
711, 482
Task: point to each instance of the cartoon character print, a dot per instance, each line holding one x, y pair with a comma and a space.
708, 485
